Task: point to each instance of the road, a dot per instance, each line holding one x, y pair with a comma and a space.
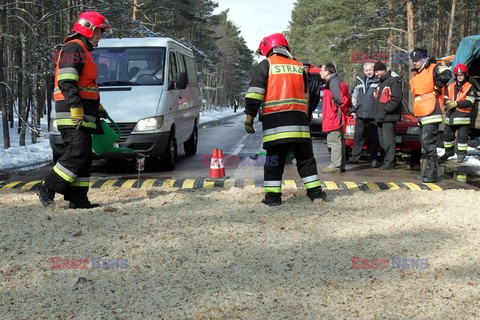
229, 135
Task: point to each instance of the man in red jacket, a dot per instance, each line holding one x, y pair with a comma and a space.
335, 106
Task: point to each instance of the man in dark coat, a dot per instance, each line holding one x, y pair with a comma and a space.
362, 111
387, 111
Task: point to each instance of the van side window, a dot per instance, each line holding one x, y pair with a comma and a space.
172, 71
191, 72
181, 63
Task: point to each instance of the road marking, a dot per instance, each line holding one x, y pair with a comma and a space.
108, 184
372, 186
188, 184
30, 185
351, 185
168, 183
237, 150
392, 186
11, 185
129, 183
433, 187
147, 184
412, 186
290, 184
330, 185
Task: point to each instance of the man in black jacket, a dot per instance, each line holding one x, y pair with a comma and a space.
362, 111
387, 110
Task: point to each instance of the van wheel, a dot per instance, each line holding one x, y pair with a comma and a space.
169, 156
190, 146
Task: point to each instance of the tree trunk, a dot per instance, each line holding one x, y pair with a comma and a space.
3, 91
478, 17
410, 41
450, 27
23, 93
135, 9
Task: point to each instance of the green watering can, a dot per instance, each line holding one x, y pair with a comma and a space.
104, 143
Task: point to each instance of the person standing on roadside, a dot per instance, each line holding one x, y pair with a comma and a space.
428, 84
278, 84
387, 110
362, 110
335, 106
78, 113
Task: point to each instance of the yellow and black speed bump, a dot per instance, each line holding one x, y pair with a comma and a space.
201, 183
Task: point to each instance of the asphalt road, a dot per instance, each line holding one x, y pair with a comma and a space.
229, 135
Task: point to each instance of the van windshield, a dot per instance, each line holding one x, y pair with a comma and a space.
130, 66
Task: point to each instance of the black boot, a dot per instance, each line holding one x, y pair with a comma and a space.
45, 194
461, 158
432, 174
83, 205
448, 153
425, 171
316, 193
272, 199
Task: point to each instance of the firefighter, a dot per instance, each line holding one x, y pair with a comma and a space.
278, 84
427, 85
78, 112
459, 100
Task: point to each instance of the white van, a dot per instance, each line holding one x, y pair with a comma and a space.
149, 88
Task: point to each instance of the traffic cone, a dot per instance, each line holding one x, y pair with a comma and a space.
214, 165
221, 162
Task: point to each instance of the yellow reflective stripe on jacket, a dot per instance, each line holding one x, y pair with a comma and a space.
254, 95
69, 122
76, 112
68, 76
286, 135
437, 118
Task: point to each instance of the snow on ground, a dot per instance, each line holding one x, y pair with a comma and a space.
29, 156
222, 255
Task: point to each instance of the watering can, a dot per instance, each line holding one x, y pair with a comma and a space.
289, 158
104, 143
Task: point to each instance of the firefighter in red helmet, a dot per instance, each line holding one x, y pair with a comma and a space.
278, 84
459, 100
78, 111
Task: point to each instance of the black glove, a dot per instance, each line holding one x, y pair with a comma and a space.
249, 124
437, 90
102, 113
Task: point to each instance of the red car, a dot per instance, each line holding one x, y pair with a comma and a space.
406, 135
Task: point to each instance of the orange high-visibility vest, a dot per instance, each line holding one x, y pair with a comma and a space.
422, 87
88, 88
461, 95
284, 92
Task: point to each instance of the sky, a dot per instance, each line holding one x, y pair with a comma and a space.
257, 18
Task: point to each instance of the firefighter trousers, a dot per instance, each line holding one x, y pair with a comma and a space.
428, 139
449, 140
71, 174
275, 165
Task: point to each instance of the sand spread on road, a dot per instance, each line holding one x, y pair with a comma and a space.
203, 254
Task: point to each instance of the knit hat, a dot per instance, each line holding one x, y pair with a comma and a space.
379, 66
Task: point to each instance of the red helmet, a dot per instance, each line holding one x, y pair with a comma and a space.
460, 68
87, 22
272, 41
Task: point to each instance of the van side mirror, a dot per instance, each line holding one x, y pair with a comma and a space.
181, 82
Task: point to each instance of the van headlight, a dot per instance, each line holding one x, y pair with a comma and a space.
149, 124
413, 130
350, 129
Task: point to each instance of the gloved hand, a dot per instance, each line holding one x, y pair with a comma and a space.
437, 90
450, 105
102, 113
249, 124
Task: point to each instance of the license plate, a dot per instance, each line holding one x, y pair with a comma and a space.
398, 139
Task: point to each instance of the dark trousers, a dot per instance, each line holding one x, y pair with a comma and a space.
462, 139
71, 175
386, 137
306, 164
428, 139
369, 128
